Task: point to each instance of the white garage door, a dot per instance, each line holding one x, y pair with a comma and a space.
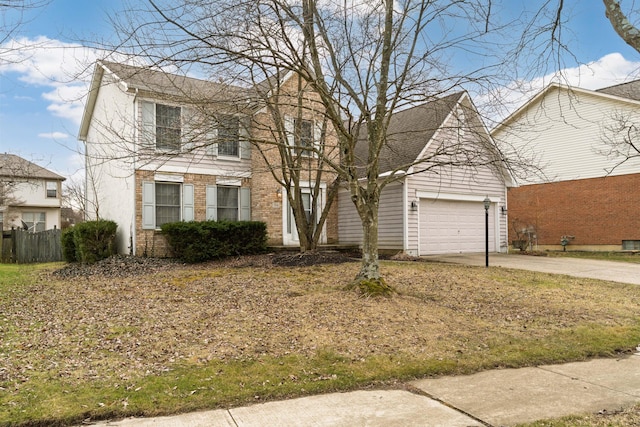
448, 226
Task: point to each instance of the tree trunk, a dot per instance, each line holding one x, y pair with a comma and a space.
369, 268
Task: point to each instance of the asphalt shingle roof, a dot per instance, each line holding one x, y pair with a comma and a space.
17, 167
629, 90
408, 132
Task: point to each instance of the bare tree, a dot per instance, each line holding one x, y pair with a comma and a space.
74, 196
620, 136
364, 60
14, 14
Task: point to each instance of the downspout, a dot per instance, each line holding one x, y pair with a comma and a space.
132, 232
506, 220
405, 223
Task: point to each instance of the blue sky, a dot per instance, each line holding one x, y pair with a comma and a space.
41, 104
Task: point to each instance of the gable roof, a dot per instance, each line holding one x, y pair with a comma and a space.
17, 167
154, 81
605, 93
408, 133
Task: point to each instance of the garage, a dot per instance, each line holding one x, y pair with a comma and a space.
453, 226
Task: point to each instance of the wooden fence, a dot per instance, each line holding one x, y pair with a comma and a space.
20, 246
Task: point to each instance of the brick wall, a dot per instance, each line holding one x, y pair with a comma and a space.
597, 211
151, 242
266, 202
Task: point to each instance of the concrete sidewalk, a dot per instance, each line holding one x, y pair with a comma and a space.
492, 398
623, 272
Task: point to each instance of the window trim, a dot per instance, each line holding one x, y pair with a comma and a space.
292, 134
306, 150
157, 205
219, 138
149, 126
55, 189
43, 220
149, 205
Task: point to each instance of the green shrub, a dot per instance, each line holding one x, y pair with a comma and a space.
202, 241
69, 245
95, 240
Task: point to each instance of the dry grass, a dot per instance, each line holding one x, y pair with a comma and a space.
108, 331
629, 417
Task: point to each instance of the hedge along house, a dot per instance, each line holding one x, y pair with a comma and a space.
161, 148
446, 165
589, 193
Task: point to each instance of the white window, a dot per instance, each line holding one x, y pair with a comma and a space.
228, 203
164, 202
167, 127
34, 221
229, 136
167, 203
52, 189
303, 135
306, 204
161, 126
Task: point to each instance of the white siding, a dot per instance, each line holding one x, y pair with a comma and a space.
457, 183
203, 158
109, 149
565, 131
390, 220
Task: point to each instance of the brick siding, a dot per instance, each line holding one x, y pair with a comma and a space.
151, 242
597, 211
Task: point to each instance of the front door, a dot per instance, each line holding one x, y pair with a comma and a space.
290, 235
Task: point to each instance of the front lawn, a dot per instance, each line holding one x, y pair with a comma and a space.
179, 338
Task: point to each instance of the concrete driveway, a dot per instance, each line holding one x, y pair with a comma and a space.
623, 272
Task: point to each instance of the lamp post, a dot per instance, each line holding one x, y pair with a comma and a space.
487, 205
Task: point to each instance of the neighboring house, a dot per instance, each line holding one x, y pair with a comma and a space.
163, 148
436, 208
588, 195
30, 195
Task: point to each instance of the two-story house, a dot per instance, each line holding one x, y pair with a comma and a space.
162, 148
589, 192
30, 195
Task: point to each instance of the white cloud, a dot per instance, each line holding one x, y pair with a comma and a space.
54, 135
62, 69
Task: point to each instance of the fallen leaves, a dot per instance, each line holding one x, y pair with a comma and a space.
122, 320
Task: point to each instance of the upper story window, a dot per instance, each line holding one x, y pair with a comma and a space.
304, 136
52, 189
168, 131
161, 126
229, 136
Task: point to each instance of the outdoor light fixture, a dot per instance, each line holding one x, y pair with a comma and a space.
487, 205
279, 193
414, 205
503, 210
